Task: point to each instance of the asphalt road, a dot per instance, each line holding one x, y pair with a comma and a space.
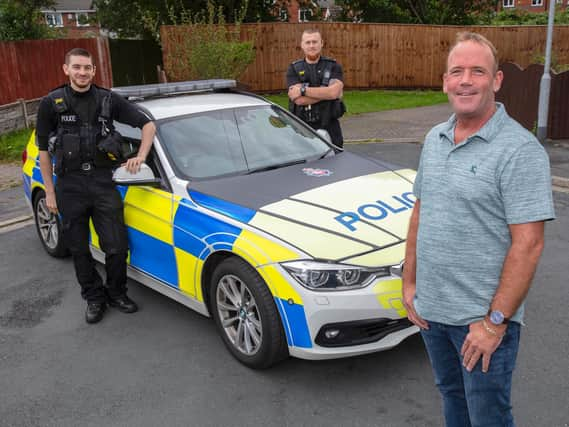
166, 365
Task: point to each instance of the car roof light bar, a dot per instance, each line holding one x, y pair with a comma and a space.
157, 89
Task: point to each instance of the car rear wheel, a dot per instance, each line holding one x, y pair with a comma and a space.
246, 316
48, 227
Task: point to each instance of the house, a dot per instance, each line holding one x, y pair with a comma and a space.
530, 5
77, 18
307, 10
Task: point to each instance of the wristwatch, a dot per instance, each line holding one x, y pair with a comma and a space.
303, 89
497, 317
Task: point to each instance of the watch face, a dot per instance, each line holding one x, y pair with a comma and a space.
496, 317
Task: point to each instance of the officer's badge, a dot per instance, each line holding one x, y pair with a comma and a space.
301, 73
58, 100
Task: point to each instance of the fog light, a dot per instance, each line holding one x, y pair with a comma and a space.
331, 333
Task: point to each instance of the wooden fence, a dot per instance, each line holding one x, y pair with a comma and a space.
379, 55
18, 115
30, 68
520, 95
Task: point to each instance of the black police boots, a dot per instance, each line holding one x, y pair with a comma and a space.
95, 311
123, 303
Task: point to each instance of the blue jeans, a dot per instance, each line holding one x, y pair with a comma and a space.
472, 399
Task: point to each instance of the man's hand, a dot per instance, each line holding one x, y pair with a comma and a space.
51, 202
409, 290
133, 164
480, 343
294, 92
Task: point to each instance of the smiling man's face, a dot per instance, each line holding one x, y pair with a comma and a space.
471, 80
81, 72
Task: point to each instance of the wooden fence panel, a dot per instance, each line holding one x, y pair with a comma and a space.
558, 122
382, 55
520, 95
30, 68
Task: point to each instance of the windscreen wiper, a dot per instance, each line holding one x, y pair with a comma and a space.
276, 166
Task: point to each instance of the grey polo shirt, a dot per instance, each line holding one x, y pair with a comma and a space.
469, 193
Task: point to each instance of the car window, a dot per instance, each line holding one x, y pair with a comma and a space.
236, 141
270, 136
203, 145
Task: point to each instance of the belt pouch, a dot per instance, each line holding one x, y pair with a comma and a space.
71, 147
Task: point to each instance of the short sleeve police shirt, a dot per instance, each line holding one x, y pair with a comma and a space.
292, 77
470, 192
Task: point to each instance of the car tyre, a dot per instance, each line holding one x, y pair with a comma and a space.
246, 315
48, 226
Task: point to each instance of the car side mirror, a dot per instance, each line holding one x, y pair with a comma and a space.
323, 133
144, 176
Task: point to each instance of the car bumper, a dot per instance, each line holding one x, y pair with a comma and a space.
358, 321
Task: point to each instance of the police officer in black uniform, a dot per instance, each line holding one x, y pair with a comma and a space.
315, 87
78, 119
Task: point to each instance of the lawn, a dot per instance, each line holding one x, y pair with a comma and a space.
12, 144
368, 101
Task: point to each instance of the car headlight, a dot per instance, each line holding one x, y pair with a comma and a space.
317, 275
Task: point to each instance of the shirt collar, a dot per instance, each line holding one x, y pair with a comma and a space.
486, 133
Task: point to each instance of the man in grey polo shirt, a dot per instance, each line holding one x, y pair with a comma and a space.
483, 193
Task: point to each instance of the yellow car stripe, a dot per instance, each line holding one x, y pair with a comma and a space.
389, 295
156, 219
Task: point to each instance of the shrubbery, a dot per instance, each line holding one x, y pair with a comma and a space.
203, 46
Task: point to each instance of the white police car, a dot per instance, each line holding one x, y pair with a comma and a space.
248, 215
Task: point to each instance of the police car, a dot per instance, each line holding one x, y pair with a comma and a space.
247, 215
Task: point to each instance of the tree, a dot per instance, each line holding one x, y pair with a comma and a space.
143, 18
450, 12
22, 20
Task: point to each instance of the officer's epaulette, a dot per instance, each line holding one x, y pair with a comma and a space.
325, 58
298, 61
58, 98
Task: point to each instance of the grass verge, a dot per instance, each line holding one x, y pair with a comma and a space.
12, 144
368, 101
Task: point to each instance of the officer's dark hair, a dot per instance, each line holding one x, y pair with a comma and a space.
77, 51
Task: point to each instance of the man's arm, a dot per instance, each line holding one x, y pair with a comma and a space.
410, 269
148, 132
46, 169
316, 94
517, 274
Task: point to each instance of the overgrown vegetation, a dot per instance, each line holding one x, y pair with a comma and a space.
539, 58
523, 17
12, 144
450, 12
204, 47
124, 17
22, 20
368, 101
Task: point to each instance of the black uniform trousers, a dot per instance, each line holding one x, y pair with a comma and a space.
92, 195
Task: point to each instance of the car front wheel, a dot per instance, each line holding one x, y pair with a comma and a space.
246, 316
48, 227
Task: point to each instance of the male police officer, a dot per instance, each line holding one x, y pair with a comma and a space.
315, 87
80, 115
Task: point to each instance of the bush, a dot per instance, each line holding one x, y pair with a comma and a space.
205, 47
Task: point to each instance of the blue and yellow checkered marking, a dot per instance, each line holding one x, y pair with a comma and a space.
294, 323
232, 210
170, 239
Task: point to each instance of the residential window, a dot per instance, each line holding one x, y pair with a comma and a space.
283, 14
82, 19
304, 15
508, 3
54, 19
537, 2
